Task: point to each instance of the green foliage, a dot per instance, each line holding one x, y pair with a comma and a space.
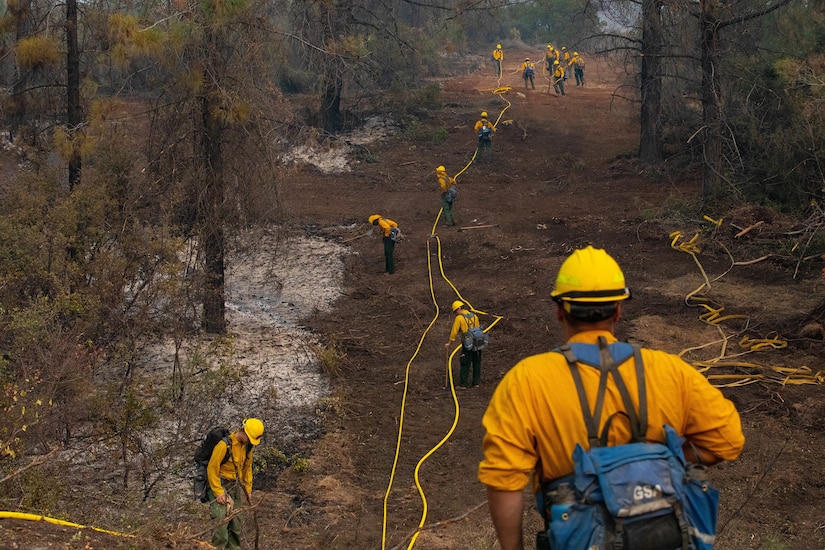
42, 489
774, 542
329, 359
781, 128
37, 52
417, 131
271, 458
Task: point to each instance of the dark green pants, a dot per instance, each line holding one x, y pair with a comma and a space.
467, 358
389, 262
226, 535
559, 86
485, 145
447, 209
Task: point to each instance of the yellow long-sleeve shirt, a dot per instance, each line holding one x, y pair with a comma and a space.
534, 419
215, 470
461, 324
481, 122
386, 226
445, 182
498, 54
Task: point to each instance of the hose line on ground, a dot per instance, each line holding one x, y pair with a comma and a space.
713, 314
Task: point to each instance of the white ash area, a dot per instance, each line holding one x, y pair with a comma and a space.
333, 156
268, 292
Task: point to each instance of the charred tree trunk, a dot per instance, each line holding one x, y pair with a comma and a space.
21, 13
333, 24
331, 103
211, 219
74, 110
650, 143
711, 103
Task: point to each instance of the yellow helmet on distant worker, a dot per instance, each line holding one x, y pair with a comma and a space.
556, 62
483, 114
374, 218
575, 53
254, 429
498, 46
441, 170
590, 275
549, 46
564, 47
527, 59
457, 305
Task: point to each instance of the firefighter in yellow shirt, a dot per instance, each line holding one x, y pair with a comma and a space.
558, 77
389, 231
528, 69
229, 473
535, 419
549, 57
464, 321
448, 194
485, 130
498, 58
577, 61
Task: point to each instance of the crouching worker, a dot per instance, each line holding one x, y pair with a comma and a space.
230, 480
631, 427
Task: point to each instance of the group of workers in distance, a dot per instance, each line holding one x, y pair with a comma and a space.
388, 229
614, 439
558, 63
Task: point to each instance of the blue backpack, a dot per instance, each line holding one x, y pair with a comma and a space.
634, 496
485, 132
475, 339
528, 71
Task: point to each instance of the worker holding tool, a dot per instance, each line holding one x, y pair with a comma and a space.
558, 77
498, 59
448, 194
464, 322
390, 234
647, 410
485, 130
528, 68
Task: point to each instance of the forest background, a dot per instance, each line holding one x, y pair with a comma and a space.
147, 140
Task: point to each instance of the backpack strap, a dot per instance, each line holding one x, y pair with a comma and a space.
607, 366
228, 454
470, 316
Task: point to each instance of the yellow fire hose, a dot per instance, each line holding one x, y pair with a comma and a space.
713, 315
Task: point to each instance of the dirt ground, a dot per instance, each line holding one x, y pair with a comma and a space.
399, 450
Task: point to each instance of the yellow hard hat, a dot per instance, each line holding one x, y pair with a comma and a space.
440, 169
549, 46
254, 429
483, 114
564, 47
498, 46
527, 59
575, 53
457, 304
374, 218
556, 62
590, 275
